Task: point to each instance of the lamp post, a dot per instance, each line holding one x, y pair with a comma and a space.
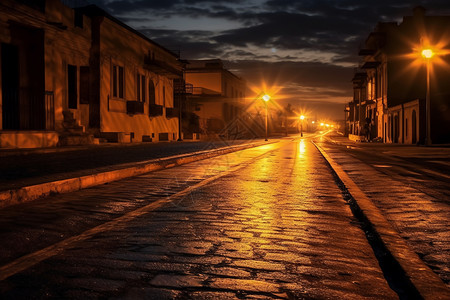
302, 117
428, 54
266, 98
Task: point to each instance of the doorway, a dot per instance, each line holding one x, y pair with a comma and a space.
414, 127
23, 79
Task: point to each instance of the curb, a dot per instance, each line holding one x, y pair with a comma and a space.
419, 275
30, 193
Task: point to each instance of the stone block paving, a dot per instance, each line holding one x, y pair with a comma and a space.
276, 229
31, 226
421, 220
25, 167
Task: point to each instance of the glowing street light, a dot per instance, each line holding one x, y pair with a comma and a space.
266, 98
302, 117
428, 55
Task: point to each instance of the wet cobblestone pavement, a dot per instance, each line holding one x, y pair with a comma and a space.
421, 219
272, 225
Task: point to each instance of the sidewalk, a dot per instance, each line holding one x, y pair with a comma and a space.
29, 174
406, 149
402, 217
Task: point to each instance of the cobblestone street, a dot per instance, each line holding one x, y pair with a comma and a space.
420, 217
267, 222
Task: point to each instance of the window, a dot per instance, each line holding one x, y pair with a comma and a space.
117, 82
140, 84
164, 96
406, 127
379, 84
72, 86
370, 89
151, 92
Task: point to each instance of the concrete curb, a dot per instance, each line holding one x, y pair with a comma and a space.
427, 283
29, 193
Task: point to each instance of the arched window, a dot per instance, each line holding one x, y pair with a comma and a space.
151, 92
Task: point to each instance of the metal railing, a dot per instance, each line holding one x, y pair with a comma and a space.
49, 110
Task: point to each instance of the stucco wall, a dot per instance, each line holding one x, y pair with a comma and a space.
120, 47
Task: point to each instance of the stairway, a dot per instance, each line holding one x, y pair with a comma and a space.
73, 133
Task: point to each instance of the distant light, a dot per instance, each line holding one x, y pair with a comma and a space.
266, 97
321, 124
427, 53
332, 125
302, 117
313, 122
328, 125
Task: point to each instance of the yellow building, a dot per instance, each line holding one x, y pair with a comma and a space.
68, 75
132, 100
391, 85
218, 97
44, 50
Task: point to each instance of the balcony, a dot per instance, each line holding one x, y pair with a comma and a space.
172, 112
155, 110
135, 107
182, 88
204, 91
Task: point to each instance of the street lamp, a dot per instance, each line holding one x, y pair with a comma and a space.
428, 55
266, 98
302, 117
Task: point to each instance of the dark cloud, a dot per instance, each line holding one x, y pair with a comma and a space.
312, 74
294, 31
124, 6
331, 27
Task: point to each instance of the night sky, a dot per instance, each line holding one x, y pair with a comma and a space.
302, 52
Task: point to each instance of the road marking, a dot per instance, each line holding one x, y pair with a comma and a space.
29, 260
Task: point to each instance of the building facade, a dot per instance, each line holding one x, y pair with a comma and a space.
217, 98
68, 75
390, 85
133, 81
42, 50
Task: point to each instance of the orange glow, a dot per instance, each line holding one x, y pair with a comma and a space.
266, 97
421, 53
427, 53
302, 117
301, 148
